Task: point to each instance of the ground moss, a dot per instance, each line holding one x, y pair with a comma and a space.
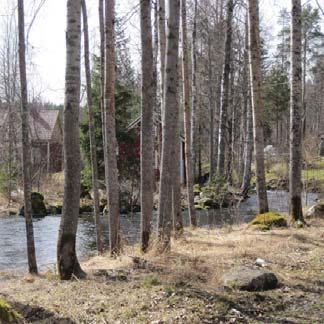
7, 314
151, 281
269, 220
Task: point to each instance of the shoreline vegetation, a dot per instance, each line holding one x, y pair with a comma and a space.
276, 179
184, 285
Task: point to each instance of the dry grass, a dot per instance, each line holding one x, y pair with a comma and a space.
53, 188
184, 285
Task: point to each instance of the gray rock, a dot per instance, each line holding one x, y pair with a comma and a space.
316, 211
250, 279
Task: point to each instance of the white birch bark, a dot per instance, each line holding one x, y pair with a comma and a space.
187, 116
257, 103
226, 91
295, 166
92, 134
194, 107
67, 261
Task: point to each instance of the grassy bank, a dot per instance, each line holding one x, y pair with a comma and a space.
185, 285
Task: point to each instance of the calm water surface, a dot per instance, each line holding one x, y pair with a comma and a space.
13, 241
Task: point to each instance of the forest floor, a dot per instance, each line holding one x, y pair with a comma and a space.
185, 285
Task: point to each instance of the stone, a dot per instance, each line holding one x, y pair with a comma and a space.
55, 209
270, 150
86, 206
316, 211
38, 206
269, 220
250, 279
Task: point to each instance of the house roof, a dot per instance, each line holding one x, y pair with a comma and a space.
156, 120
137, 121
42, 123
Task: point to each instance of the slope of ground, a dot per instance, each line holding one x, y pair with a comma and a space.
185, 285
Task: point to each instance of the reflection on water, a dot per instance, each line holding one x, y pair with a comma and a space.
13, 240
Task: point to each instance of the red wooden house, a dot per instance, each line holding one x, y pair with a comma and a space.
157, 133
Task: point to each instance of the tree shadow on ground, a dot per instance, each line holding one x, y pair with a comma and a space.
36, 314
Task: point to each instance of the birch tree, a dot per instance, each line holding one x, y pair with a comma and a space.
147, 172
110, 123
226, 90
187, 116
194, 106
92, 135
67, 261
248, 120
102, 79
26, 147
169, 125
162, 42
295, 165
257, 102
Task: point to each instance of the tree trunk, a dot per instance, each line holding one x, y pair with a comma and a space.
169, 124
187, 116
226, 90
67, 261
229, 133
248, 150
176, 185
211, 107
111, 141
162, 48
304, 88
92, 135
162, 43
194, 108
248, 119
147, 147
295, 167
26, 149
102, 81
257, 103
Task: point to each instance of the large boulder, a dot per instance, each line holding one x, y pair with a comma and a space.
38, 206
316, 211
268, 220
250, 279
86, 206
55, 209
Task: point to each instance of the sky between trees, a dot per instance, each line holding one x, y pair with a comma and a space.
47, 37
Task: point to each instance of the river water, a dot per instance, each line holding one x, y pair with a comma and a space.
13, 241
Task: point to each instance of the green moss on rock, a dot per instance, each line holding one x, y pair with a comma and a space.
269, 220
7, 314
